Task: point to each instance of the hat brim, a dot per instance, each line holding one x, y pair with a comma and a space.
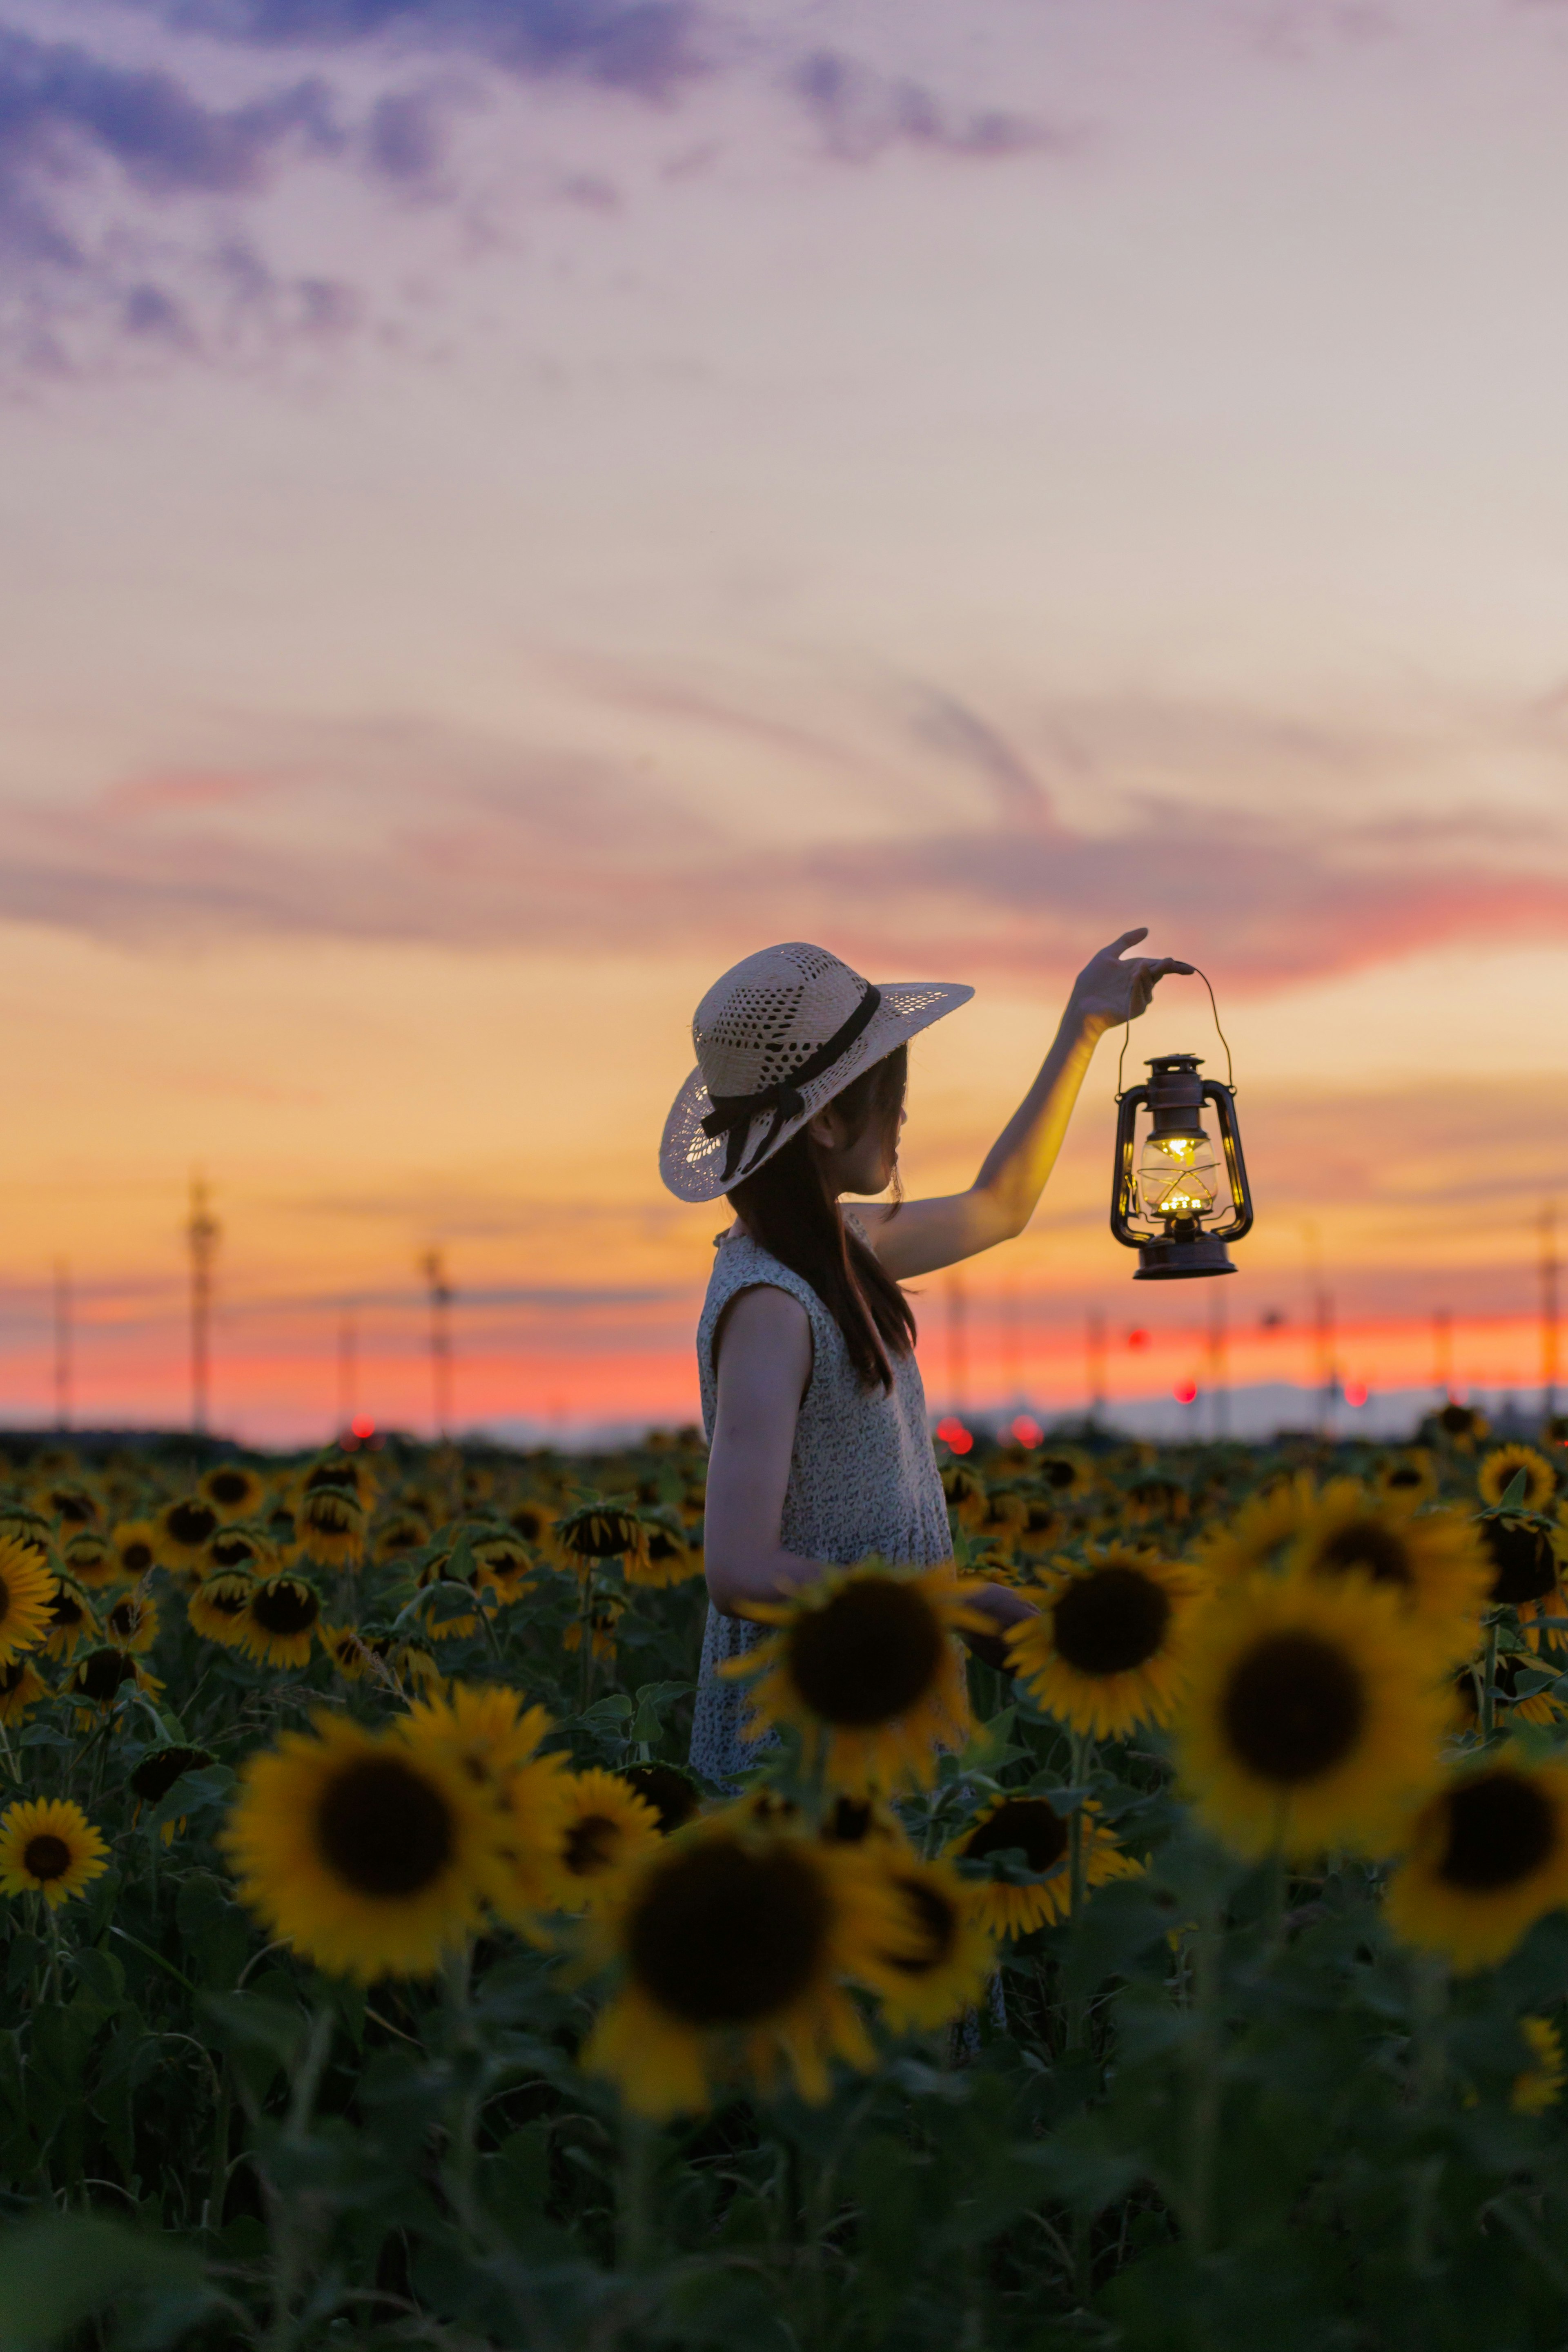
692, 1163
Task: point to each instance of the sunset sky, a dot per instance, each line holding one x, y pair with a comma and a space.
508, 505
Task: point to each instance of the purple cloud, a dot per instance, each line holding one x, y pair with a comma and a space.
860, 113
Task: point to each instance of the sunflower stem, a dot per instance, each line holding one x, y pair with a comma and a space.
634, 2231
1203, 2113
1428, 2020
1077, 1878
291, 2242
1488, 1683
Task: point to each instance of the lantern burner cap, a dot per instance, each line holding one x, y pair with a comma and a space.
1177, 1257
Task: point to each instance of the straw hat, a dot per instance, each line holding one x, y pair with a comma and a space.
775, 1038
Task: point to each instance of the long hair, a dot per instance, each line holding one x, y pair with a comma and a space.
787, 1207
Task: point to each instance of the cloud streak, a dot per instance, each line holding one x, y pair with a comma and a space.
409, 833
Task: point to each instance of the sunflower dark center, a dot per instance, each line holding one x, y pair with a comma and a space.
125, 1617
327, 1474
870, 1654
45, 1856
725, 1936
227, 1600
158, 1771
1501, 1828
669, 1793
228, 1486
328, 1514
74, 1510
662, 1545
1457, 1419
1027, 1823
1524, 1563
65, 1609
4, 1599
847, 1824
1406, 1475
529, 1524
12, 1676
136, 1558
601, 1535
231, 1551
383, 1829
1057, 1473
1293, 1708
101, 1675
1111, 1620
1367, 1546
933, 1920
591, 1845
190, 1523
287, 1608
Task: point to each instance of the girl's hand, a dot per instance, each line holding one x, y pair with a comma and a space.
1108, 992
1004, 1608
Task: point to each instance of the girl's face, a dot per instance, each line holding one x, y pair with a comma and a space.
861, 1161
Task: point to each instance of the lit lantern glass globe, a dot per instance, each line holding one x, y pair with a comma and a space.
1177, 1175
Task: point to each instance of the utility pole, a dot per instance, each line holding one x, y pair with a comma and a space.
62, 1344
1012, 1375
957, 1346
202, 1232
434, 1269
347, 1370
1548, 1271
1443, 1355
1325, 1371
1218, 1380
1094, 1359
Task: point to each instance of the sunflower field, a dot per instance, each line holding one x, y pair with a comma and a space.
1188, 1975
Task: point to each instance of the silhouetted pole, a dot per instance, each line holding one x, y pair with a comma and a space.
1219, 1363
1095, 1360
434, 1273
957, 1346
1443, 1354
202, 1234
1548, 1309
1012, 1377
62, 1344
347, 1370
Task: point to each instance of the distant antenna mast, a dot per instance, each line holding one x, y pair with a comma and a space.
62, 1344
347, 1370
202, 1232
1548, 1272
434, 1272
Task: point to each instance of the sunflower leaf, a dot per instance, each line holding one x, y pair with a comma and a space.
1513, 1494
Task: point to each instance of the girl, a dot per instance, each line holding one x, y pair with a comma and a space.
812, 1397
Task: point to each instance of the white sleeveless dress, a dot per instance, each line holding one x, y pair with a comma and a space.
862, 1478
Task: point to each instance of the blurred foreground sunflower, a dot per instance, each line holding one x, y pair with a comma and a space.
1106, 1653
48, 1847
91, 1561
131, 1622
673, 1794
1539, 2085
605, 1828
734, 1947
943, 1958
21, 1688
1432, 1562
492, 1737
234, 1489
864, 1665
1488, 1856
71, 1621
1032, 1826
1407, 1477
1310, 1721
371, 1855
1525, 1571
26, 1594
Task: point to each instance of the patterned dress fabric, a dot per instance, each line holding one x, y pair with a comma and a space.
862, 1478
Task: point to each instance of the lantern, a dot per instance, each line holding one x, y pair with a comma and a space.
1177, 1200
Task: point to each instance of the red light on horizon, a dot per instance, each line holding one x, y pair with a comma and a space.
1356, 1393
954, 1436
1026, 1430
1185, 1391
362, 1426
1137, 1338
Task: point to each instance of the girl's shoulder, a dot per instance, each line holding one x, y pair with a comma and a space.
742, 1264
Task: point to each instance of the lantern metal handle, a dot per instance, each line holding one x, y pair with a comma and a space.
1229, 1066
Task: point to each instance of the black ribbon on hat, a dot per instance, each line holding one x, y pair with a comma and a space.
732, 1115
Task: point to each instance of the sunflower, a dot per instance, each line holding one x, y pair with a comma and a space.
1539, 1707
1501, 1466
1461, 1426
1260, 1533
1540, 2086
674, 1795
179, 1534
1524, 1572
1105, 1651
605, 1828
279, 1620
965, 1490
26, 1598
1407, 1477
448, 1611
135, 1546
216, 1609
502, 1563
532, 1520
598, 1531
1488, 1856
348, 1652
1309, 1721
1151, 1496
404, 1531
492, 1737
238, 1552
1043, 1527
21, 1688
336, 1472
91, 1561
666, 1557
132, 1622
1065, 1472
71, 1506
48, 1847
864, 1665
101, 1676
233, 1490
1432, 1563
407, 1664
153, 1779
71, 1621
1032, 1827
941, 1960
330, 1526
863, 1820
603, 1619
734, 1944
370, 1854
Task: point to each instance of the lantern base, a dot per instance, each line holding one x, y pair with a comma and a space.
1172, 1260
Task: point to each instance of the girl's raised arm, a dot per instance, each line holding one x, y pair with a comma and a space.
999, 1204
